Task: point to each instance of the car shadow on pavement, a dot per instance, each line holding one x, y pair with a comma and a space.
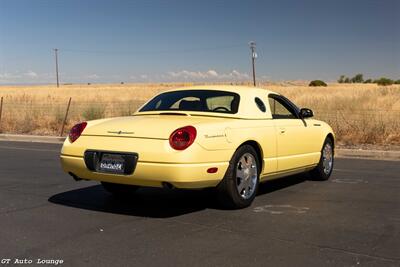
155, 202
281, 183
145, 202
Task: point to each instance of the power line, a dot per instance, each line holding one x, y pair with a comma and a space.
189, 50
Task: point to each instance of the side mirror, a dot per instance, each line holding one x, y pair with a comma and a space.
306, 113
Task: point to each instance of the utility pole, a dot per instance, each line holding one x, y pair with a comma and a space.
56, 56
252, 45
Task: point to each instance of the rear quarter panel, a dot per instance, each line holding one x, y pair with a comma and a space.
228, 136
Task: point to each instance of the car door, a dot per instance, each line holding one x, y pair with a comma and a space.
294, 135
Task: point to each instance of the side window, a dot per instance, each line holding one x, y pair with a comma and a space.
260, 104
281, 110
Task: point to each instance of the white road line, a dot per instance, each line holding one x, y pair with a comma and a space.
349, 181
281, 209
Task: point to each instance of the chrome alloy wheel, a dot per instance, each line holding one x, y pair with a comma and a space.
246, 176
327, 158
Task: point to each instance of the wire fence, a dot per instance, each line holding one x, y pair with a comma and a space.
51, 117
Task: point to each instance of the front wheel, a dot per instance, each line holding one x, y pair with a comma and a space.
325, 166
239, 186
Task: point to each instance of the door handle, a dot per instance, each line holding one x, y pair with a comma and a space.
282, 130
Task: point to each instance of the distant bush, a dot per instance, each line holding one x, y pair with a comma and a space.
359, 78
317, 83
384, 81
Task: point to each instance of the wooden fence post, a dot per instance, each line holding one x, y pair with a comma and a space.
65, 118
1, 110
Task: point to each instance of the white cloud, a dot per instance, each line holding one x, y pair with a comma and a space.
188, 74
210, 75
8, 77
31, 74
239, 75
3, 76
93, 76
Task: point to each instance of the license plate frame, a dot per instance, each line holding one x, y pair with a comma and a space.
111, 162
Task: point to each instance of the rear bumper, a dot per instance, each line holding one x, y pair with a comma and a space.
193, 175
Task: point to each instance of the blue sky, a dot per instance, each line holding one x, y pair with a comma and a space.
171, 40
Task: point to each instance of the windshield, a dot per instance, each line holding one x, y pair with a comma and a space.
195, 100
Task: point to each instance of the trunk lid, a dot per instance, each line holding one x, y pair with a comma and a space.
143, 126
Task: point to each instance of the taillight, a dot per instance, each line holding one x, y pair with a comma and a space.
76, 131
183, 137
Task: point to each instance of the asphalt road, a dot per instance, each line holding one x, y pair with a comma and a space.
351, 220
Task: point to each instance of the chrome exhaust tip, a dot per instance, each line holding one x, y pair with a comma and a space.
167, 185
76, 178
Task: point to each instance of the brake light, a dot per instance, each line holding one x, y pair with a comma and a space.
182, 138
76, 131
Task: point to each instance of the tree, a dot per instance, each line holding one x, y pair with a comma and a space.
368, 81
358, 78
397, 82
341, 79
347, 80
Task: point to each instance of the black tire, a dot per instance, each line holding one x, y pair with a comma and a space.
119, 189
227, 191
319, 173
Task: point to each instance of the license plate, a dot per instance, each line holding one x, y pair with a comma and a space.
112, 163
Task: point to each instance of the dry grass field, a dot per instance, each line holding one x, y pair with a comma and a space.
359, 113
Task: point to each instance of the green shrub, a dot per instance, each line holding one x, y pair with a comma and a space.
397, 82
368, 81
317, 83
384, 81
94, 112
341, 79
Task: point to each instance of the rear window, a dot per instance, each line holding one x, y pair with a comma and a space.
195, 100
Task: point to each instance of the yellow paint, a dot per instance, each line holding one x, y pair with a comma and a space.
285, 144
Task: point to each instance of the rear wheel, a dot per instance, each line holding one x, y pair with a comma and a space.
119, 189
325, 166
239, 186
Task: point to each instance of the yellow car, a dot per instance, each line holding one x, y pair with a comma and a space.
227, 137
